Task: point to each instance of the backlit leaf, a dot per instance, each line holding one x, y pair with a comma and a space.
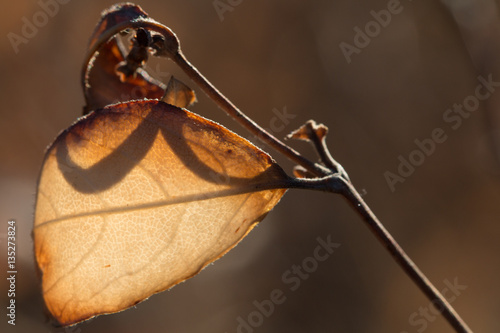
137, 197
179, 94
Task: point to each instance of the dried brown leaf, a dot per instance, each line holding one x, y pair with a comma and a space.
103, 85
137, 197
114, 15
179, 94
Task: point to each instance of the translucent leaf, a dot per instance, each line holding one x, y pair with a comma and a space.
179, 94
137, 197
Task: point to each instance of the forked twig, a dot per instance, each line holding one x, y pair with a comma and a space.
347, 190
329, 175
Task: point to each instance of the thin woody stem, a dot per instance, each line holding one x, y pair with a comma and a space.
348, 191
316, 135
172, 50
337, 184
336, 179
226, 105
404, 261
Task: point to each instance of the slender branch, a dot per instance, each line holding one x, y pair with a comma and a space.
226, 105
324, 153
337, 184
172, 50
348, 191
332, 183
404, 261
316, 134
334, 178
327, 158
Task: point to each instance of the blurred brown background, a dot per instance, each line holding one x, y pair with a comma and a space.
269, 55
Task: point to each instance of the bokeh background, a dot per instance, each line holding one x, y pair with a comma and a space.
271, 55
